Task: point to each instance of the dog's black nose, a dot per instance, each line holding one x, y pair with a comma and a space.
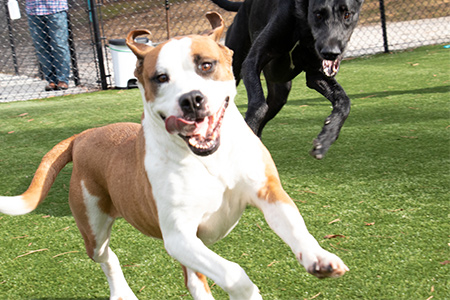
330, 52
193, 104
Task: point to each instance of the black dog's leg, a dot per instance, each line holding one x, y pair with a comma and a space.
331, 89
270, 41
239, 42
251, 72
261, 53
257, 106
277, 95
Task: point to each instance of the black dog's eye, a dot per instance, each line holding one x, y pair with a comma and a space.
347, 15
319, 16
162, 78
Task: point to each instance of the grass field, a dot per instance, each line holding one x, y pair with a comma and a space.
382, 191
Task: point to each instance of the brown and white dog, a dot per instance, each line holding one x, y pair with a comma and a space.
185, 175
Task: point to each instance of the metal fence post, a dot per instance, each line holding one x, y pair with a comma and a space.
73, 54
383, 26
167, 4
11, 38
98, 42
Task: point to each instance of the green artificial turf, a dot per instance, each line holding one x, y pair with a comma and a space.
381, 193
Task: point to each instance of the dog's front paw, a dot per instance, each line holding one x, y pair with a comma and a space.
327, 136
318, 151
323, 264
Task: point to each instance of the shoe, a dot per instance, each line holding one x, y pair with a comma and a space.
62, 86
50, 87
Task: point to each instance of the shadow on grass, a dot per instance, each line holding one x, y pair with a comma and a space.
320, 101
378, 94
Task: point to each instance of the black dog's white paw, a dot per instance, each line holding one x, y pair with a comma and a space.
318, 151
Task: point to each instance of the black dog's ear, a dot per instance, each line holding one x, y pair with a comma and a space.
137, 48
217, 24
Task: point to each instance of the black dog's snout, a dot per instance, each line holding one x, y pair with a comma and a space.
330, 52
193, 105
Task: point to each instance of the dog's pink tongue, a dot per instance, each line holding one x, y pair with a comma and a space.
177, 125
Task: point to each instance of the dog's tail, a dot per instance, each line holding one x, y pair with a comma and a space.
228, 5
45, 175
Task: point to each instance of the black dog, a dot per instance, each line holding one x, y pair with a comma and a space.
282, 38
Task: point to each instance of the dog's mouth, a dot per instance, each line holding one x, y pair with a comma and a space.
331, 67
202, 135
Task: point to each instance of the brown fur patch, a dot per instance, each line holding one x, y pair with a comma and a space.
110, 162
204, 280
205, 49
118, 179
79, 212
200, 276
146, 70
272, 191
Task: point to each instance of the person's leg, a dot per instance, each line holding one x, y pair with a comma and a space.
59, 36
41, 40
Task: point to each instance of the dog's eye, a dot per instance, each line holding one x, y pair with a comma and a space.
206, 66
319, 16
162, 78
347, 15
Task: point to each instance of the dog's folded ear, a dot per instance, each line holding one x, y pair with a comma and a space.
138, 49
217, 24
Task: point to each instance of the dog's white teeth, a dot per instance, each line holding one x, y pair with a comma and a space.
195, 143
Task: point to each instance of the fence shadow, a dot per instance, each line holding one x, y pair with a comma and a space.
378, 94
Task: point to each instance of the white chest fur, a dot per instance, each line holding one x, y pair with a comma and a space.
211, 192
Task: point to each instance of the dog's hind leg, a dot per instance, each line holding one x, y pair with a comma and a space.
197, 284
95, 227
331, 90
277, 95
266, 47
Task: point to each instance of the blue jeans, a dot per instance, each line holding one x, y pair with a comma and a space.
50, 37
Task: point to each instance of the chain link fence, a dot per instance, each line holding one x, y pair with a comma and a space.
96, 25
